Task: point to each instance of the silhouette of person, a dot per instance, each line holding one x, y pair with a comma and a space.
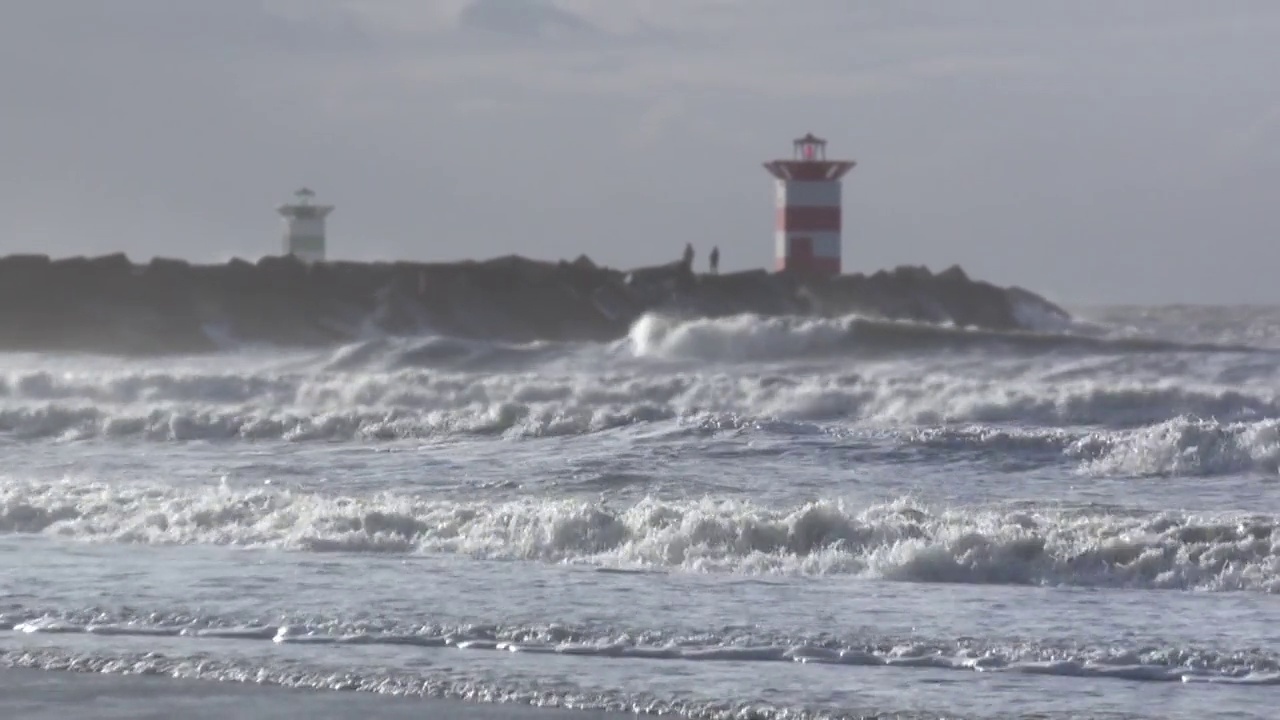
688, 255
714, 259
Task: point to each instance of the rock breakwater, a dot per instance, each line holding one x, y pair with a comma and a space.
110, 304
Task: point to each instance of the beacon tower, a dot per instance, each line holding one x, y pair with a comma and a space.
304, 226
807, 234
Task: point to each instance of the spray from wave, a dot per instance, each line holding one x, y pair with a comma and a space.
442, 353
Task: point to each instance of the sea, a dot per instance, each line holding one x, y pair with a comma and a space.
745, 517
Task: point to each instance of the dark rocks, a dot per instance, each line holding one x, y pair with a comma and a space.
110, 305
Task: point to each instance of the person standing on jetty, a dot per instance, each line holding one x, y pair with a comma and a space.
714, 260
688, 256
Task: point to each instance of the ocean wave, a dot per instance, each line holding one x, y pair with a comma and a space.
1183, 446
752, 338
398, 406
442, 684
440, 353
70, 423
1222, 324
1120, 660
309, 403
898, 541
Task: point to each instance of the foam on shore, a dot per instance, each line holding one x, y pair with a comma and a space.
42, 695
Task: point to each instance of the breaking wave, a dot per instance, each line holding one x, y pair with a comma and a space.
441, 353
1184, 446
750, 338
309, 404
1181, 447
1087, 547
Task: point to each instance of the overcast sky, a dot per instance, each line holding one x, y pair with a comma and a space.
1095, 150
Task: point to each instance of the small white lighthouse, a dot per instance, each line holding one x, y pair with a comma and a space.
304, 226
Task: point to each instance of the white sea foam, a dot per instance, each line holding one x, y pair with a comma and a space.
1063, 413
741, 337
1121, 661
426, 683
257, 404
1183, 446
744, 338
897, 541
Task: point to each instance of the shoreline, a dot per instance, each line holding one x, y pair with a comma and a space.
33, 694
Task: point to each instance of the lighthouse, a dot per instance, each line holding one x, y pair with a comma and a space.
807, 234
304, 226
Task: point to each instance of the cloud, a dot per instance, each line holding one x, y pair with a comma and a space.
1023, 140
656, 120
527, 19
1249, 146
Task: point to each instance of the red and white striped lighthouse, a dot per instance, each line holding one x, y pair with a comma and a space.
808, 227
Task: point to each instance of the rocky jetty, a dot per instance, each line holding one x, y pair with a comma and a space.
111, 305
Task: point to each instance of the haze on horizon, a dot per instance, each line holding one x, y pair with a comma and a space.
1091, 151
